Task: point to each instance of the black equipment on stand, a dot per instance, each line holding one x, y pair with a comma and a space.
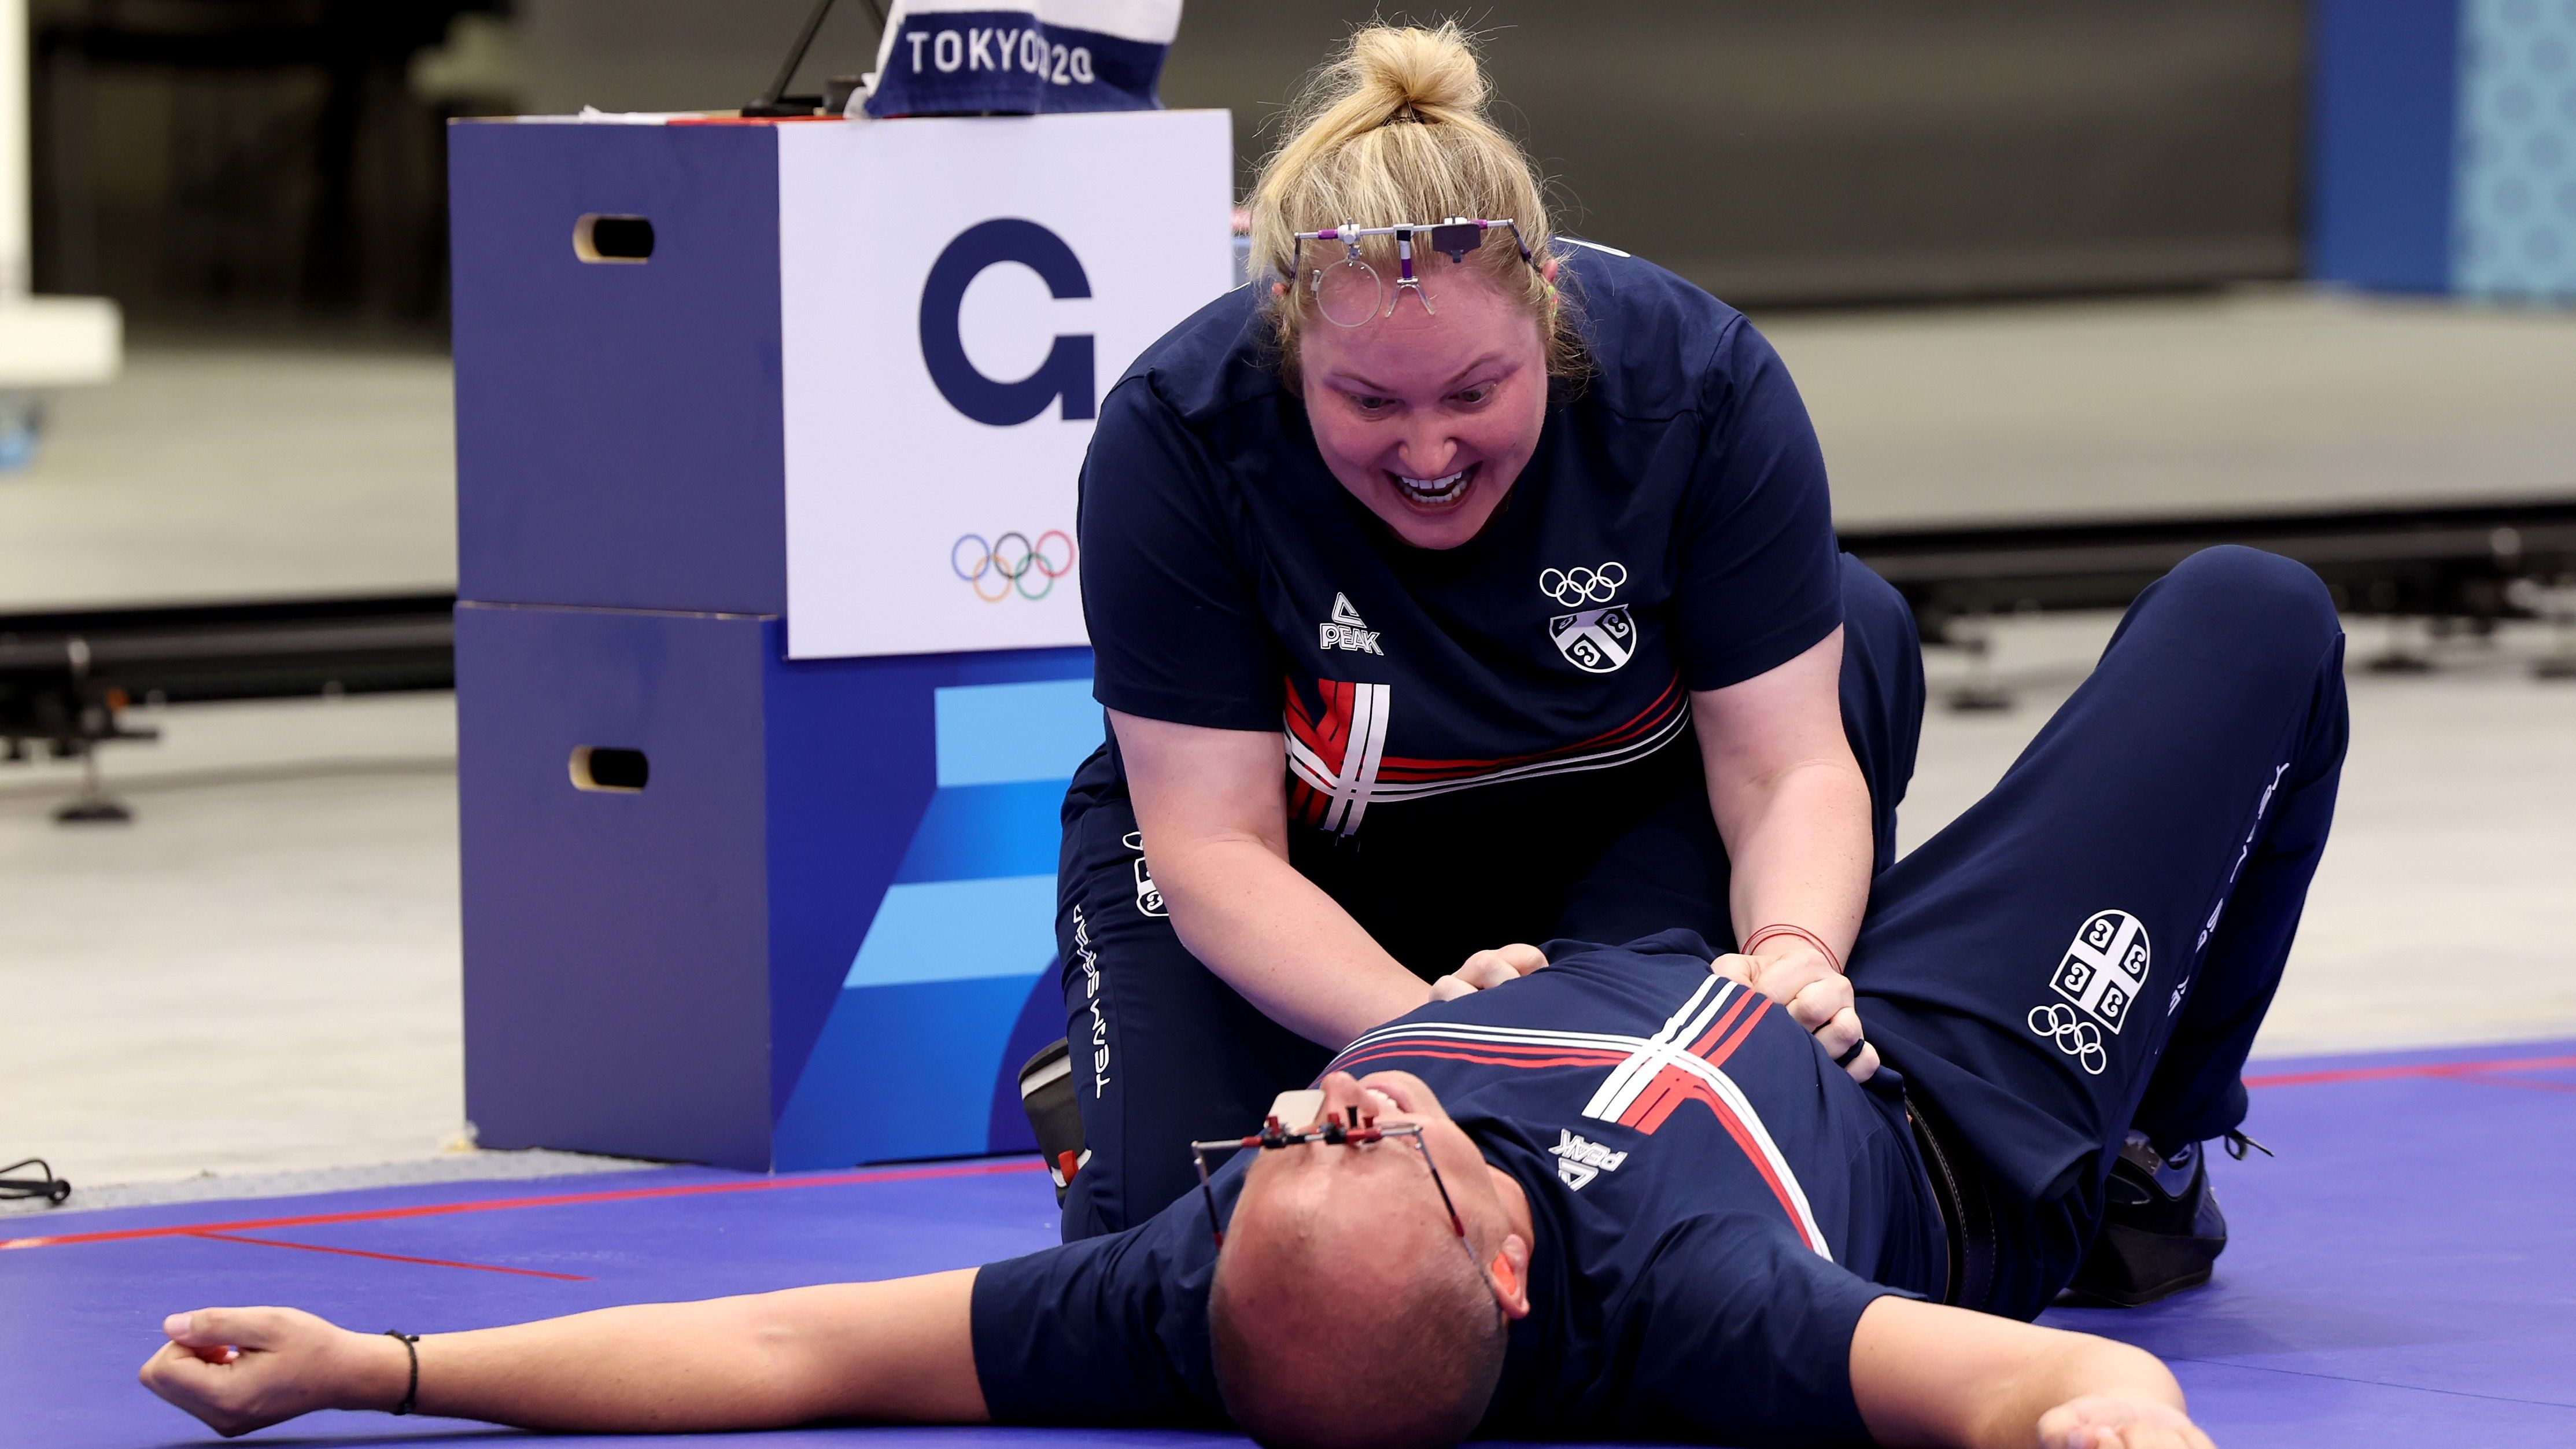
776, 102
67, 679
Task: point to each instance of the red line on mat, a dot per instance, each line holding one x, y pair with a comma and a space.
987, 1169
387, 1257
2416, 1069
566, 1199
2504, 1081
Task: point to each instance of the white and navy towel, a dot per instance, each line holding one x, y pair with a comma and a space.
1021, 57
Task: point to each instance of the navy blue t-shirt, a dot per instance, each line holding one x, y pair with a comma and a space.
1714, 1204
1671, 533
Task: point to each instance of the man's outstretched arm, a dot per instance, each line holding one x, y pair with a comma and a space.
1925, 1374
899, 1350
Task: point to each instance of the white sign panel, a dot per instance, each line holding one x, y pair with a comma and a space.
956, 296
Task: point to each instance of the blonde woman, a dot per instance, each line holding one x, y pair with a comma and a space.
1460, 587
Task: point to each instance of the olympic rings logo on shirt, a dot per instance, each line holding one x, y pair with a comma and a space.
2074, 1035
1010, 562
1577, 586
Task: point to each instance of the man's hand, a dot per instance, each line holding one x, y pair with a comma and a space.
1488, 969
2102, 1422
1819, 998
241, 1369
1925, 1374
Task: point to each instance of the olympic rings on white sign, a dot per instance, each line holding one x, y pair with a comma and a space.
1010, 561
2074, 1035
1576, 586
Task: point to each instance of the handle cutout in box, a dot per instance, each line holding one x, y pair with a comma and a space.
602, 238
614, 771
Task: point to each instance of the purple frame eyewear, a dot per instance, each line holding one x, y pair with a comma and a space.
1453, 238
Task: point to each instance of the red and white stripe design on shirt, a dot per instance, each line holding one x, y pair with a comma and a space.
1337, 758
1339, 764
1649, 1077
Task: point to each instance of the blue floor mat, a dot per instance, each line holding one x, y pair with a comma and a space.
2402, 1274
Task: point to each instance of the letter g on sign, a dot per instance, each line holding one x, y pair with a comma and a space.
1067, 371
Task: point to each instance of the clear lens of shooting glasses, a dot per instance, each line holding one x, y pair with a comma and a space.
1348, 292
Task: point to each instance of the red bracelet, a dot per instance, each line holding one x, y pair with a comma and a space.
1803, 934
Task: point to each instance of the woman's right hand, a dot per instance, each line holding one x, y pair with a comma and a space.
241, 1369
1488, 969
1819, 998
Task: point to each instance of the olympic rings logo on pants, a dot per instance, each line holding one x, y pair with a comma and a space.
2074, 1035
1009, 562
1579, 585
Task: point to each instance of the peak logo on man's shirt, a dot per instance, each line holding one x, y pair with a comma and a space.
1347, 630
1579, 1160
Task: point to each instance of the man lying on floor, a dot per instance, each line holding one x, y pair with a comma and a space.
1622, 1197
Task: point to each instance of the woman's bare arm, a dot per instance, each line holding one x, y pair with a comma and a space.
901, 1350
1794, 811
1213, 807
1928, 1375
1789, 798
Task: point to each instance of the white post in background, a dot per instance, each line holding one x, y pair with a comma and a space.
14, 126
45, 342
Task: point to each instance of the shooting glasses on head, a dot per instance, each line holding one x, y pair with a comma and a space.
1349, 290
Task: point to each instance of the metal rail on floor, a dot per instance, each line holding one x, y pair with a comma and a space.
2458, 566
67, 679
2454, 562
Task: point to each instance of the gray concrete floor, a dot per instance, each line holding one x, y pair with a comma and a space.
260, 974
209, 474
2264, 400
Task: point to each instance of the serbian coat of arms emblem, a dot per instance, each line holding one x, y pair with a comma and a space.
1596, 641
2105, 967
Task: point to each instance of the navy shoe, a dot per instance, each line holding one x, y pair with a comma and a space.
2161, 1229
1046, 1094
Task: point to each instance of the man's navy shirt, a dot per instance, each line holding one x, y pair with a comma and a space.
1671, 533
1714, 1203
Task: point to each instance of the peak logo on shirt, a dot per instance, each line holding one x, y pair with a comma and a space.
1346, 630
1579, 1160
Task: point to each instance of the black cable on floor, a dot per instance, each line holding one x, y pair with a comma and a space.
44, 1185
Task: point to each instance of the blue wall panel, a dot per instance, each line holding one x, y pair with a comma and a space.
2385, 82
2515, 230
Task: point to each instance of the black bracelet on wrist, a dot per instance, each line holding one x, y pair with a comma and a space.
411, 1346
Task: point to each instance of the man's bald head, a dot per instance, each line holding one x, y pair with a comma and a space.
1345, 1314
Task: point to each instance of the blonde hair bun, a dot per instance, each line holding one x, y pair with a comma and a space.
1395, 129
1433, 74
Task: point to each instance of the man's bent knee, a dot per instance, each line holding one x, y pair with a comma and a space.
2262, 588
